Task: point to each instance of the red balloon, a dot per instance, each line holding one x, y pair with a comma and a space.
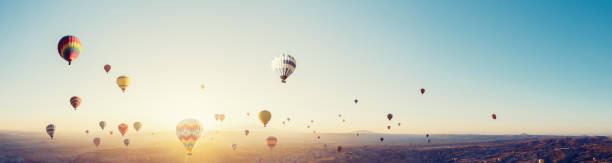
123, 128
494, 116
107, 68
422, 90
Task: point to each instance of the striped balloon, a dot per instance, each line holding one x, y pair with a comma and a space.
271, 141
51, 130
284, 65
69, 48
188, 132
75, 101
123, 82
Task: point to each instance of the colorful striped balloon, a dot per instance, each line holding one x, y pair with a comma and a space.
284, 65
75, 101
271, 141
69, 48
51, 130
188, 132
123, 82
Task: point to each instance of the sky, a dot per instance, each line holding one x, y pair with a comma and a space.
542, 66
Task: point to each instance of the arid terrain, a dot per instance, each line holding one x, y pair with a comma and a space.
301, 147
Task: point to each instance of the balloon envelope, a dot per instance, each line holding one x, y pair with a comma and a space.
284, 65
246, 132
123, 128
69, 48
494, 116
126, 142
123, 82
264, 117
137, 125
422, 90
75, 101
96, 141
222, 117
389, 116
234, 146
50, 130
188, 132
271, 141
107, 68
102, 124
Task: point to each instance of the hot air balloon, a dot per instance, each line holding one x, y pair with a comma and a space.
137, 125
51, 130
248, 114
188, 132
339, 149
428, 141
427, 135
123, 128
382, 139
246, 132
388, 127
69, 48
202, 86
75, 101
110, 132
325, 145
102, 124
234, 146
493, 116
222, 117
343, 120
271, 141
314, 131
123, 82
389, 116
284, 65
311, 121
318, 137
96, 141
264, 117
126, 142
339, 115
356, 101
107, 68
283, 122
217, 117
422, 91
86, 131
308, 126
357, 134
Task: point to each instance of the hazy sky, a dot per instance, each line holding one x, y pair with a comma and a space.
544, 67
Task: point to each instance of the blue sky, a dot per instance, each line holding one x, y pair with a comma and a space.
543, 67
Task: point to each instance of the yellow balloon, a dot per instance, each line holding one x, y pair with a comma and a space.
265, 116
202, 86
123, 82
